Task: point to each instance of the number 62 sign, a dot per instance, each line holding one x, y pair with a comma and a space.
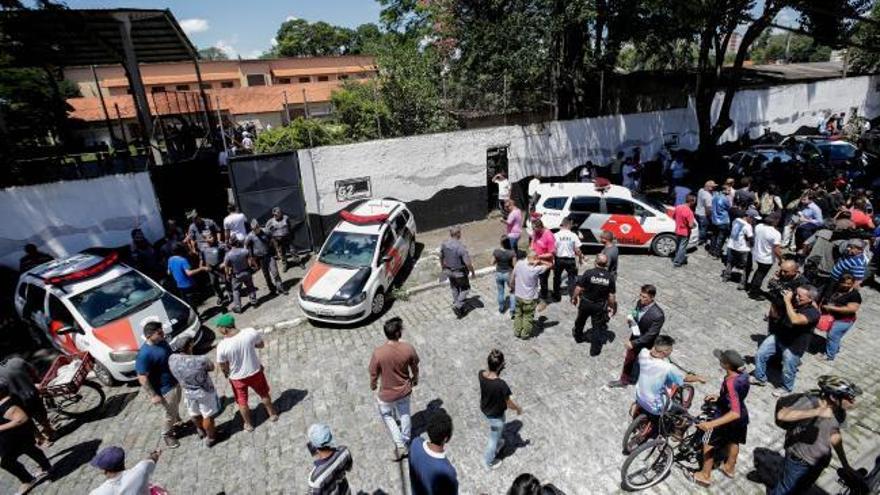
350, 189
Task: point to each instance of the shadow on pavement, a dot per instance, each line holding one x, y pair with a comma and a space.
283, 403
513, 441
112, 407
72, 458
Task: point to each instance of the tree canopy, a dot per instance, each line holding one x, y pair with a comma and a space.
212, 53
301, 38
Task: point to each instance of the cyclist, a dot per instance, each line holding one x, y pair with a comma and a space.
658, 377
809, 443
728, 428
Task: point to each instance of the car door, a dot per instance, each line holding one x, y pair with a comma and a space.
34, 305
385, 257
628, 229
60, 317
400, 250
586, 216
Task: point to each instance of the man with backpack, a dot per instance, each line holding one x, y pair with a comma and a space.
812, 421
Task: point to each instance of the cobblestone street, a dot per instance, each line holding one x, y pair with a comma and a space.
569, 434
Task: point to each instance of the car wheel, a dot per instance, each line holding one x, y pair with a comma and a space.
664, 245
103, 374
378, 303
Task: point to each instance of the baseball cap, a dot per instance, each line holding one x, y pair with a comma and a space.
320, 435
730, 357
225, 320
110, 459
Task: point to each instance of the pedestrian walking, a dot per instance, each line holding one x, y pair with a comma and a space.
121, 481
841, 308
182, 273
503, 184
258, 244
199, 394
766, 249
610, 249
18, 438
513, 223
721, 204
234, 224
544, 246
430, 472
238, 360
394, 371
645, 323
20, 377
504, 258
728, 429
594, 298
279, 228
495, 400
212, 256
331, 463
739, 247
525, 281
455, 263
567, 257
238, 270
199, 228
703, 209
683, 216
154, 375
808, 449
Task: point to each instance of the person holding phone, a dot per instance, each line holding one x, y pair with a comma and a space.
328, 475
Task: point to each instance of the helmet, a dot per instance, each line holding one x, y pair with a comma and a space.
836, 386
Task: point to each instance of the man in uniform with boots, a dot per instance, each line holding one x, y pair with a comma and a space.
212, 257
258, 243
279, 228
594, 297
239, 272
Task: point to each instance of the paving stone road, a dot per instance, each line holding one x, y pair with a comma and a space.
569, 434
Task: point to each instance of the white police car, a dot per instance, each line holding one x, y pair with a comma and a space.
358, 263
86, 303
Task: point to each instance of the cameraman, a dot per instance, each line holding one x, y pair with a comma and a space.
809, 443
787, 278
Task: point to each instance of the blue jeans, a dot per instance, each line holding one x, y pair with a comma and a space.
790, 362
504, 301
514, 242
793, 471
496, 428
722, 232
391, 413
681, 250
835, 335
703, 223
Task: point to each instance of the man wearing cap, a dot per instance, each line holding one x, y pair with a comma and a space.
258, 244
196, 234
238, 271
278, 226
238, 360
328, 475
199, 393
729, 427
134, 481
739, 247
156, 379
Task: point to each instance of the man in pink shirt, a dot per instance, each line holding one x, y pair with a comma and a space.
684, 223
513, 222
544, 246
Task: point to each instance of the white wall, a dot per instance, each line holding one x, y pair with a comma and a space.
67, 217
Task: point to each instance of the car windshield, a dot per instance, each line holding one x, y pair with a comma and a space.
838, 151
349, 250
119, 297
652, 202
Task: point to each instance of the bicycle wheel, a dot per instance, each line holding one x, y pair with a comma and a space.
88, 399
648, 465
639, 430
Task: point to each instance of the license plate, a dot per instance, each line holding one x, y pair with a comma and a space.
324, 312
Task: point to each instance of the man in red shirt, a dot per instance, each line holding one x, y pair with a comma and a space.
544, 246
858, 216
684, 223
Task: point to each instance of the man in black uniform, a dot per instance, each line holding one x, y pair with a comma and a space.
594, 297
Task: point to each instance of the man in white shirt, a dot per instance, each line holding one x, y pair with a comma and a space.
503, 190
533, 190
235, 223
247, 143
567, 258
766, 250
739, 247
703, 210
657, 376
134, 481
238, 360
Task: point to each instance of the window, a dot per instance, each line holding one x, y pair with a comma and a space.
399, 224
122, 296
34, 301
305, 79
323, 78
641, 211
22, 290
387, 244
227, 84
617, 206
182, 87
585, 204
256, 80
59, 312
207, 86
348, 250
555, 203
342, 77
283, 80
157, 89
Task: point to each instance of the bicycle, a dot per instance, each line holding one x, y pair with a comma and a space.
77, 397
677, 442
859, 482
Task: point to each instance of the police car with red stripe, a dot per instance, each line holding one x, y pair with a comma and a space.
94, 304
634, 219
359, 262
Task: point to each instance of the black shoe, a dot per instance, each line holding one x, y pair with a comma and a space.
458, 312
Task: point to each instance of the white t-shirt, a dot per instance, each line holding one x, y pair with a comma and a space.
766, 238
247, 143
704, 200
655, 377
240, 353
134, 481
503, 189
236, 223
566, 243
740, 232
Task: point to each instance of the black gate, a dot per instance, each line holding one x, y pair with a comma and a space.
261, 182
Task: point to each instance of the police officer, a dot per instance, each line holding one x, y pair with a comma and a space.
258, 245
239, 272
594, 297
279, 228
212, 256
455, 262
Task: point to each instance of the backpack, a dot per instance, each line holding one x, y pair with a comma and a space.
804, 431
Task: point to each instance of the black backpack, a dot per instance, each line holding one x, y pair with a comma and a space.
804, 431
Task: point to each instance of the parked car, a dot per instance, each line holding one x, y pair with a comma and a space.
833, 153
758, 158
88, 303
634, 219
359, 262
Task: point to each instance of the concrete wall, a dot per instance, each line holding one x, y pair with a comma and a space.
66, 217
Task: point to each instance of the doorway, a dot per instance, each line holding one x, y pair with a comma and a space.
496, 163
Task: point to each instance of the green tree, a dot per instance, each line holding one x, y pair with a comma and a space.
300, 38
866, 56
365, 39
299, 134
788, 47
212, 53
362, 110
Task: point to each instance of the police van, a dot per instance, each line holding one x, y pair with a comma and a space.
94, 304
634, 219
